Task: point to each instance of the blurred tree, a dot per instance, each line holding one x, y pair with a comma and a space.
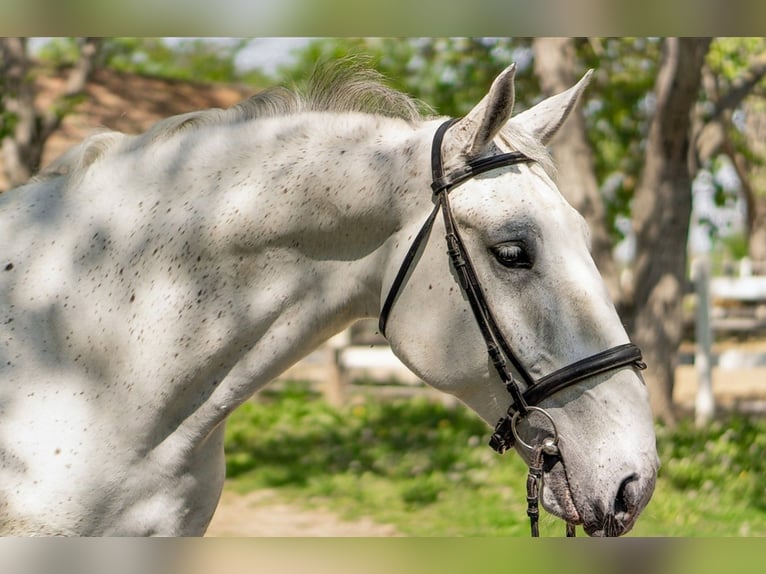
618, 109
725, 120
24, 126
189, 59
558, 68
661, 214
733, 123
750, 162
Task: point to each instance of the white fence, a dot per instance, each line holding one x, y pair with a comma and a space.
724, 304
356, 354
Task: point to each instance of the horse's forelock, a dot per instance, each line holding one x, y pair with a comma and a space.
518, 139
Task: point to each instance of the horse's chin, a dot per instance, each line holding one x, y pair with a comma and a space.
558, 500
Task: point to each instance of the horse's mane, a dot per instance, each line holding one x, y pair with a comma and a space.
340, 86
346, 85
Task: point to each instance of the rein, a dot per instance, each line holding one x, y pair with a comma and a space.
523, 402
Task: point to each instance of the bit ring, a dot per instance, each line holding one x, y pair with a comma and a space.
550, 444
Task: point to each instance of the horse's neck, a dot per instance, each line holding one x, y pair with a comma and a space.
210, 262
300, 220
321, 198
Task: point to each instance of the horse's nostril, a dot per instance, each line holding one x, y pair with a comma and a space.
619, 519
627, 495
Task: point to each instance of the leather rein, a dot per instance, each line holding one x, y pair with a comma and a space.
523, 402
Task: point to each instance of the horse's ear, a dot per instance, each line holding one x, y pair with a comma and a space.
545, 119
476, 130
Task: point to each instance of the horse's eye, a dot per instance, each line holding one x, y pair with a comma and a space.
512, 255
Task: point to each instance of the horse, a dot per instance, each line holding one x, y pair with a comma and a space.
152, 283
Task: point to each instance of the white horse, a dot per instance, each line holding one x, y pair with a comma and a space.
151, 284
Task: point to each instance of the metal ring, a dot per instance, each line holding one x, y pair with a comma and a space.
548, 441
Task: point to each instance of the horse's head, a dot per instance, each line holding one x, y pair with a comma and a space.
529, 251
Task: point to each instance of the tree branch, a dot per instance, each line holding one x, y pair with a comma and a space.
710, 133
742, 86
76, 83
26, 128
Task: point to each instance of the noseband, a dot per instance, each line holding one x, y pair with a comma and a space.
522, 402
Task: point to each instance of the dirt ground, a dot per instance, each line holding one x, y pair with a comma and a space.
262, 513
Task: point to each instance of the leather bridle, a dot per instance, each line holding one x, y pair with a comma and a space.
522, 402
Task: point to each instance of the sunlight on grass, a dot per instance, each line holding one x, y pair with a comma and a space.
425, 468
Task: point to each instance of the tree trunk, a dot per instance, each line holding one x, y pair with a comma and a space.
755, 190
757, 232
752, 177
661, 212
555, 65
20, 130
25, 128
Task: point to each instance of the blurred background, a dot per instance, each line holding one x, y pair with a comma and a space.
666, 160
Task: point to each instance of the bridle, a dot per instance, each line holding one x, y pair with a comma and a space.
522, 402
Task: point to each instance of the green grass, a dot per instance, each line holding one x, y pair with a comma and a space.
426, 469
712, 482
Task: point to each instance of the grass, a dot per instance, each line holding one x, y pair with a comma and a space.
426, 469
712, 480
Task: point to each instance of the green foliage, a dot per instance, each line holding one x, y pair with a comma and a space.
7, 120
188, 59
726, 250
725, 461
735, 246
426, 469
59, 52
617, 113
450, 74
185, 59
728, 57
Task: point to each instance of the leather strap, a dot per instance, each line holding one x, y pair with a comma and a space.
609, 360
404, 268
